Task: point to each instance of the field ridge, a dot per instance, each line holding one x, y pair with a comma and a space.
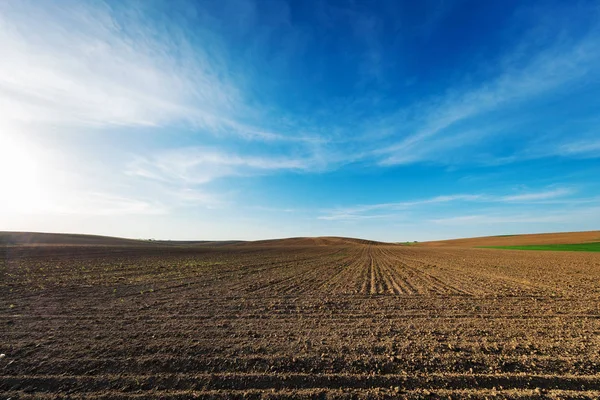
349, 320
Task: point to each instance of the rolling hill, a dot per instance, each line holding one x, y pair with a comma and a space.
519, 240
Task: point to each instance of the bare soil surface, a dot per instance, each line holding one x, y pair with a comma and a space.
519, 240
65, 239
312, 241
343, 321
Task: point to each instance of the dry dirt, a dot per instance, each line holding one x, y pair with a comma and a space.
351, 320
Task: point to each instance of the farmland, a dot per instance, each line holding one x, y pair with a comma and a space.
555, 247
297, 318
540, 239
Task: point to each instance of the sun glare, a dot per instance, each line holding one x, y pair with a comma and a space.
21, 185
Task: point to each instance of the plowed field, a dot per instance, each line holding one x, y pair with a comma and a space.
355, 320
520, 240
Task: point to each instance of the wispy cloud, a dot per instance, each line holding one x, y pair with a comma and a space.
84, 203
586, 214
373, 210
358, 217
582, 147
525, 197
97, 72
432, 130
107, 204
199, 165
569, 145
89, 64
479, 219
353, 212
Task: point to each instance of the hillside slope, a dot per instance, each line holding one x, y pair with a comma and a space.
519, 240
312, 241
65, 239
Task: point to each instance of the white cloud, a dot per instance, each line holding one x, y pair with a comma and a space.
80, 202
79, 64
89, 73
582, 216
582, 147
366, 211
106, 204
193, 166
370, 211
525, 197
356, 217
499, 219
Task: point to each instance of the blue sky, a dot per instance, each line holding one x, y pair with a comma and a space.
250, 119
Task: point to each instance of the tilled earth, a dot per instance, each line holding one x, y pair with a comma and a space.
348, 321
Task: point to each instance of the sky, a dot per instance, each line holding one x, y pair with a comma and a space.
253, 119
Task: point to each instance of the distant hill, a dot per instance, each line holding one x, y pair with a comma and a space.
38, 238
312, 241
207, 243
73, 239
68, 239
519, 240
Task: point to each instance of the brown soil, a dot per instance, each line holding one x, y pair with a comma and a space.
339, 321
519, 240
66, 239
312, 241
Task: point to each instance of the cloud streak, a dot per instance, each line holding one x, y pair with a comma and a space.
114, 69
195, 166
588, 214
438, 128
94, 73
527, 197
371, 211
